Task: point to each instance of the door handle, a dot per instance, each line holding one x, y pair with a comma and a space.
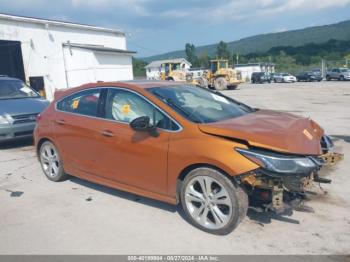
107, 133
60, 121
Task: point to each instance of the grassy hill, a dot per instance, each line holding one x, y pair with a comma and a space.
263, 43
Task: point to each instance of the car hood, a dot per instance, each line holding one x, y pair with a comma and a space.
22, 106
278, 131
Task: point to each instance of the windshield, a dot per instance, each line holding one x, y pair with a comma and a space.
200, 105
10, 89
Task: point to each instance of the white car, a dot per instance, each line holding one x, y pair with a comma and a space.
285, 78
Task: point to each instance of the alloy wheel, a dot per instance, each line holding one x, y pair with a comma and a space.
208, 202
50, 160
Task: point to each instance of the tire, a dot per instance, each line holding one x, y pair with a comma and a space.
220, 83
328, 78
169, 79
51, 162
201, 207
203, 82
341, 78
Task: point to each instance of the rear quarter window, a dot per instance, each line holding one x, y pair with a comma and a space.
83, 103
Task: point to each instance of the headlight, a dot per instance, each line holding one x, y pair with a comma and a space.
279, 163
6, 119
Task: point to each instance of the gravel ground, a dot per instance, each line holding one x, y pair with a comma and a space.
77, 217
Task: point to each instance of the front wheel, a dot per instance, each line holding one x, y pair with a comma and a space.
51, 162
220, 83
212, 202
203, 82
341, 78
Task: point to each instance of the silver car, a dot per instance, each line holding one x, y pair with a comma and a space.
340, 74
19, 107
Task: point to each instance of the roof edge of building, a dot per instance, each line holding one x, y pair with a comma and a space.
58, 23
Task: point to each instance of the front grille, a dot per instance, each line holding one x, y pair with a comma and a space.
21, 119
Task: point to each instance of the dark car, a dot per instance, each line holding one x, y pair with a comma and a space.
260, 77
309, 77
19, 107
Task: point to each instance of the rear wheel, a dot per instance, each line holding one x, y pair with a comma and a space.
212, 202
51, 162
341, 78
220, 83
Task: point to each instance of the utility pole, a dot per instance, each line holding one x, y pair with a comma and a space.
322, 68
233, 61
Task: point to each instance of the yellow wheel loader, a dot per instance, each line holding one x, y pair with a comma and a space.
220, 76
172, 72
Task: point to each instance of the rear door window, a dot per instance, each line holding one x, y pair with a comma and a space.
83, 103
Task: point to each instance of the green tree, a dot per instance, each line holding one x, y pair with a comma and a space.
191, 56
203, 60
222, 50
139, 67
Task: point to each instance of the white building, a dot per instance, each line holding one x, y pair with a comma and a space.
154, 68
248, 69
57, 54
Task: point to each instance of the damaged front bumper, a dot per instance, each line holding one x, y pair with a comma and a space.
272, 185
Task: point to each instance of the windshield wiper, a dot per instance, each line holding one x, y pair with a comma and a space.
173, 104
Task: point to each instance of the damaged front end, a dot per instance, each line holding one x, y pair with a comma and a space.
283, 177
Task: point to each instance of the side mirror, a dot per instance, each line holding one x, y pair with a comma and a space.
142, 124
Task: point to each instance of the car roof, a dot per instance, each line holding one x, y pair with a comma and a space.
132, 84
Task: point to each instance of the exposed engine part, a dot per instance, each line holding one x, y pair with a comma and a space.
295, 183
319, 179
277, 198
331, 158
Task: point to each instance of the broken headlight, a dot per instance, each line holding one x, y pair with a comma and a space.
279, 163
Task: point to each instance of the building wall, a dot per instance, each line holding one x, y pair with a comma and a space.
43, 53
247, 71
83, 65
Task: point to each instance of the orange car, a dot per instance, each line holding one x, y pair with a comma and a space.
181, 144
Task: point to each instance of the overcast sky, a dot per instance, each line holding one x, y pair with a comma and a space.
157, 26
